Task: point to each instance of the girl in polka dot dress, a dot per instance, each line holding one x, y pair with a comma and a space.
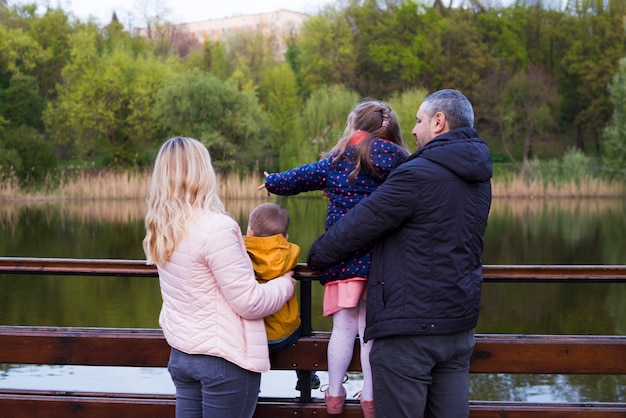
369, 149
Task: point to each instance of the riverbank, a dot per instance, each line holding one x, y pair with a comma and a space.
111, 184
107, 184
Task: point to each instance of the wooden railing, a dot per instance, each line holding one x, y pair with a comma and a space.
493, 353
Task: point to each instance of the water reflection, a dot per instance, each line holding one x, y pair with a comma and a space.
519, 232
553, 308
547, 388
564, 231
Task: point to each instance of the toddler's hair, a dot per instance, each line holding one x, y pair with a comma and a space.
269, 219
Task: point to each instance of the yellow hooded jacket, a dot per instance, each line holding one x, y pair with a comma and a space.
271, 257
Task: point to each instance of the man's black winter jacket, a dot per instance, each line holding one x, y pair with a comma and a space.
428, 222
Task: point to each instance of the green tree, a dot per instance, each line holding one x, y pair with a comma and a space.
376, 35
503, 31
21, 102
614, 151
229, 122
461, 58
30, 156
326, 45
9, 159
25, 152
321, 125
52, 31
37, 45
589, 64
19, 53
279, 94
212, 58
250, 54
105, 98
293, 56
520, 110
405, 105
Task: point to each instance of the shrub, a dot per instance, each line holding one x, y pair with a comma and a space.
34, 158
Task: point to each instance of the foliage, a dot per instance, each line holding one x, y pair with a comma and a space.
52, 32
405, 105
323, 122
19, 52
536, 75
520, 110
326, 48
278, 94
212, 58
21, 102
227, 121
106, 95
589, 63
250, 54
9, 161
28, 155
375, 53
615, 133
574, 167
405, 45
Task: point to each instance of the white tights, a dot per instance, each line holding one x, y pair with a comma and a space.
347, 323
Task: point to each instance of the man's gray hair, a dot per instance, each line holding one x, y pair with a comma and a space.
452, 103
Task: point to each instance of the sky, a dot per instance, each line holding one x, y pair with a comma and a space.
179, 11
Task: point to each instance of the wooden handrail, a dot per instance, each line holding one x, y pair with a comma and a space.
139, 268
555, 273
76, 267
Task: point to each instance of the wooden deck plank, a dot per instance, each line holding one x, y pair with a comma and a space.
60, 405
55, 404
83, 346
494, 353
553, 354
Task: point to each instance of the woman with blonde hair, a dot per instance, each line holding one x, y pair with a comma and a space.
213, 307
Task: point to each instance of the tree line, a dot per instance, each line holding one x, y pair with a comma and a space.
542, 80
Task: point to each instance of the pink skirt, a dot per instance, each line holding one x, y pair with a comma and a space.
342, 294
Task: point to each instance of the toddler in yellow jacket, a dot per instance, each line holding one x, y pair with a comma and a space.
272, 256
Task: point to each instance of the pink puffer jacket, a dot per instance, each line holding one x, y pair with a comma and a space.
212, 304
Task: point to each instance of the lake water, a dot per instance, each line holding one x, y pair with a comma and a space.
519, 232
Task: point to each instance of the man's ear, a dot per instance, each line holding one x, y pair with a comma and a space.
440, 123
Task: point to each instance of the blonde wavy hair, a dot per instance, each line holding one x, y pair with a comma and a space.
183, 184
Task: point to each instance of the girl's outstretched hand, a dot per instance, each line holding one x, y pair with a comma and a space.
261, 187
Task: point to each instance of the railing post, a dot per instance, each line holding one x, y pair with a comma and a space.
305, 306
307, 330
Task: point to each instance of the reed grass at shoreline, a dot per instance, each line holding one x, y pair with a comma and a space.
519, 187
114, 185
110, 184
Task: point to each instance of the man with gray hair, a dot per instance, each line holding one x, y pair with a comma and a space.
427, 221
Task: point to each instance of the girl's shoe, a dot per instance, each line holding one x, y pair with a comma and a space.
334, 404
366, 406
368, 409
